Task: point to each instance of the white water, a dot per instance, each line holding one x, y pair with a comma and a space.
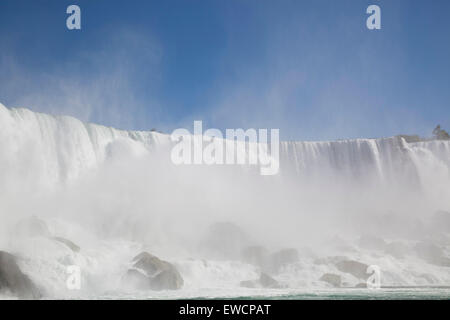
115, 193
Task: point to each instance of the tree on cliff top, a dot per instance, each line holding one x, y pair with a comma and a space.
440, 134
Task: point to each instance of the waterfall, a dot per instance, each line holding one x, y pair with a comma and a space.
60, 148
116, 192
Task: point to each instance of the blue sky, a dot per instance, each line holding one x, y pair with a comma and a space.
308, 67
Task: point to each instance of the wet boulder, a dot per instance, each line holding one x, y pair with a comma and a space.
250, 284
333, 279
355, 268
169, 279
264, 281
137, 279
13, 280
152, 273
268, 282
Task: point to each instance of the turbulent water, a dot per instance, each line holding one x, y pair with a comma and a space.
115, 193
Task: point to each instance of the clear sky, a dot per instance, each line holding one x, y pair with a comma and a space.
308, 67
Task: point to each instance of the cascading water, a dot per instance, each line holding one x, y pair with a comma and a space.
115, 193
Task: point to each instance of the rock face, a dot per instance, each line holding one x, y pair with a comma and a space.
13, 280
281, 258
355, 268
138, 280
268, 282
153, 273
432, 254
264, 281
333, 279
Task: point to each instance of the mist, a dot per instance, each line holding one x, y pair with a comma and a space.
116, 193
87, 181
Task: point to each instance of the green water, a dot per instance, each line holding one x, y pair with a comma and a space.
410, 293
360, 294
